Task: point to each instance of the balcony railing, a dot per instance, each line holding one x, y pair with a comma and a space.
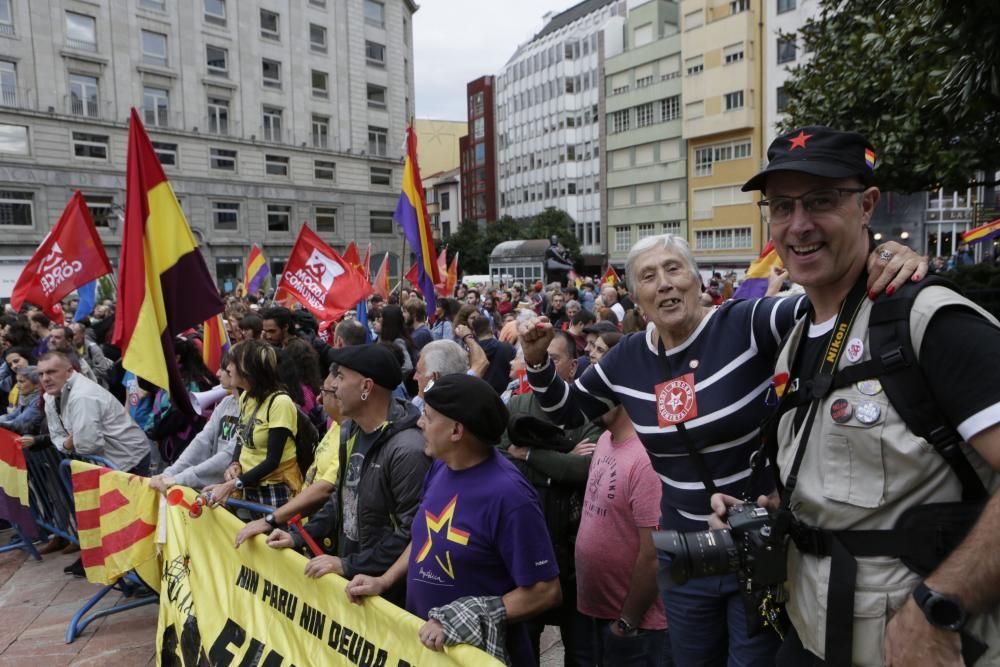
81, 45
8, 95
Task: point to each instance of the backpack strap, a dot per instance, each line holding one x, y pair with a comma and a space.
906, 387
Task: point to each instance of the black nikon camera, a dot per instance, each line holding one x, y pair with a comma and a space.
754, 546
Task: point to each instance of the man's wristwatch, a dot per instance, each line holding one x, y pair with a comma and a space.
624, 626
942, 611
270, 520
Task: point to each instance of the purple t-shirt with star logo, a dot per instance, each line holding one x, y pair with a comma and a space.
479, 531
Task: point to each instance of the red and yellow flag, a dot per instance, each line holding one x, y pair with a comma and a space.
452, 280
381, 283
116, 516
164, 286
610, 276
14, 484
215, 342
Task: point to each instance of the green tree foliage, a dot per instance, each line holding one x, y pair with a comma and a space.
474, 244
920, 78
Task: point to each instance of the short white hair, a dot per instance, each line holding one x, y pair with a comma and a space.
668, 241
444, 357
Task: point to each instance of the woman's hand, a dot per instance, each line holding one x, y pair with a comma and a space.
161, 482
891, 265
535, 335
218, 494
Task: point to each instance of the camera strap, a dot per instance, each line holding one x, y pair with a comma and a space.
697, 460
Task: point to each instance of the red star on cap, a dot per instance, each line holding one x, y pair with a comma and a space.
800, 141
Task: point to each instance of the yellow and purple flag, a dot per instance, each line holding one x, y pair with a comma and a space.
215, 342
116, 516
257, 270
754, 285
982, 233
411, 214
14, 484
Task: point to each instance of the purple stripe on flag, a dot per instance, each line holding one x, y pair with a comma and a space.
406, 216
12, 510
258, 279
751, 288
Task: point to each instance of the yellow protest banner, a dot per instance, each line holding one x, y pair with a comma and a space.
254, 606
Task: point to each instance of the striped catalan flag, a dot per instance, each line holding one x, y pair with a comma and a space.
164, 286
411, 214
14, 484
215, 342
116, 516
257, 270
754, 285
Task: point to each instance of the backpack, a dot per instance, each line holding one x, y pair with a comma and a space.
306, 435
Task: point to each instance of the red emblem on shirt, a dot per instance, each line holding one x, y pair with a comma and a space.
676, 401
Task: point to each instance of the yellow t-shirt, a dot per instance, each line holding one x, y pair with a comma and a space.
281, 413
327, 462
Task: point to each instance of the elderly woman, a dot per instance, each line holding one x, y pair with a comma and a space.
694, 386
27, 415
264, 466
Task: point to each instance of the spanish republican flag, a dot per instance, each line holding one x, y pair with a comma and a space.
14, 484
215, 342
754, 285
116, 516
164, 286
257, 270
411, 214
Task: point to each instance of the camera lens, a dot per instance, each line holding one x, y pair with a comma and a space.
698, 554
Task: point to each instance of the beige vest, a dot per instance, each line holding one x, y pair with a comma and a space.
857, 476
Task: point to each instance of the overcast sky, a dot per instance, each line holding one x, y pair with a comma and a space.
456, 41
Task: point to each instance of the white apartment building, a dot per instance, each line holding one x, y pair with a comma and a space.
443, 192
549, 122
266, 114
782, 51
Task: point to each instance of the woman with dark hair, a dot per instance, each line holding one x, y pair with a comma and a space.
604, 342
443, 314
298, 371
264, 466
394, 331
170, 428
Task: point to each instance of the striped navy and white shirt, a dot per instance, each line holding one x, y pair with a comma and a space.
731, 355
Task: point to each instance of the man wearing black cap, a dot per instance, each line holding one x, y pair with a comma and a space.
870, 581
479, 540
366, 523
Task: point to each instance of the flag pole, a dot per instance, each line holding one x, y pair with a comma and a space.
402, 259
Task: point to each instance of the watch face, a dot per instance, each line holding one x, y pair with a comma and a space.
946, 613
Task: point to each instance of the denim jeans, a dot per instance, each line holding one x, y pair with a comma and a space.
597, 645
708, 626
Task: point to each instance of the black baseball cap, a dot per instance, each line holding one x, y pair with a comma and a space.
373, 361
819, 151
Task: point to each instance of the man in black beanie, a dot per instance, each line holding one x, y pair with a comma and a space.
479, 549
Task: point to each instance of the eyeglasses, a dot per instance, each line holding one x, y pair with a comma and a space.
779, 210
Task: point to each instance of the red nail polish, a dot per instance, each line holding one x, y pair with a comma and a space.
889, 290
915, 278
871, 295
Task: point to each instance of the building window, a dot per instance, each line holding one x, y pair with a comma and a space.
623, 240
100, 209
694, 19
722, 239
222, 159
644, 81
154, 48
380, 176
155, 105
737, 6
218, 115
325, 170
480, 153
320, 131
159, 5
81, 32
225, 216
619, 121
786, 49
781, 102
90, 146
269, 24
375, 13
215, 11
166, 152
378, 140
445, 201
695, 65
380, 222
6, 18
670, 108
733, 53
271, 71
8, 83
317, 38
279, 217
272, 124
326, 219
734, 100
785, 6
644, 115
375, 54
276, 165
14, 139
703, 201
217, 60
320, 83
15, 208
83, 95
648, 229
376, 96
318, 3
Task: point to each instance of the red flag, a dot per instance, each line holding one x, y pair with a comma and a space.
610, 276
413, 275
70, 256
452, 280
352, 256
442, 261
320, 279
366, 264
381, 282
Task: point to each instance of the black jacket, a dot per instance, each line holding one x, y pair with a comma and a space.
392, 479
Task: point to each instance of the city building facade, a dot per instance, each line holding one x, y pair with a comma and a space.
265, 114
782, 51
722, 123
443, 192
549, 122
645, 158
478, 150
437, 144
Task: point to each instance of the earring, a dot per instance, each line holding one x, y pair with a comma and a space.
364, 396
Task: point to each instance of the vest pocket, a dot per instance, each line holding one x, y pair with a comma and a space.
853, 470
870, 613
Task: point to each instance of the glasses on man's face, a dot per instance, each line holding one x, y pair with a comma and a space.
779, 210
